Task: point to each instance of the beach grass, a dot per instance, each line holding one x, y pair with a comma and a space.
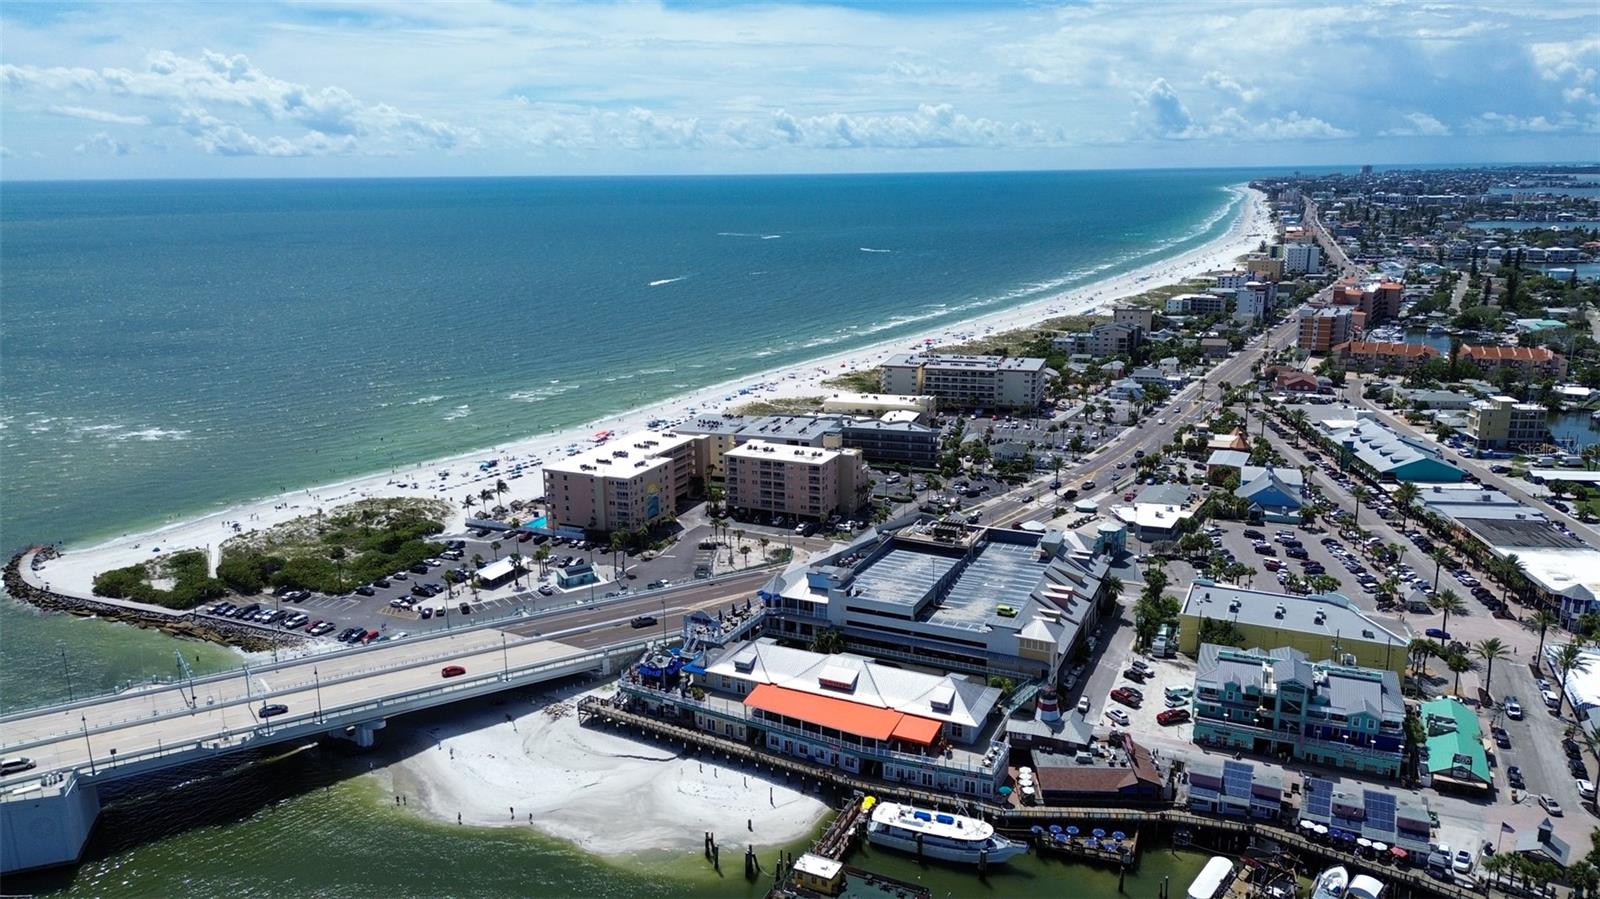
866, 380
788, 405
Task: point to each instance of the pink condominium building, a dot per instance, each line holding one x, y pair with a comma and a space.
629, 482
804, 481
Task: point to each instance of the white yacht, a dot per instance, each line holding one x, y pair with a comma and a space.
951, 838
1331, 884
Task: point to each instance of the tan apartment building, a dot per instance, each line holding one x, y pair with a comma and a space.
1380, 302
623, 483
1530, 362
803, 481
1128, 314
981, 381
1265, 268
1326, 328
1501, 422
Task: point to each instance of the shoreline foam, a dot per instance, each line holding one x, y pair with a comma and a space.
74, 571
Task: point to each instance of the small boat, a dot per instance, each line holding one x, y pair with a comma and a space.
1364, 886
1213, 879
940, 835
1331, 884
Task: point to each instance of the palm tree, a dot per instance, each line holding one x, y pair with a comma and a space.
469, 502
516, 568
617, 542
1510, 570
1490, 650
1359, 493
1458, 663
499, 489
1569, 658
1404, 497
764, 541
1419, 651
495, 545
1449, 603
1543, 619
1440, 557
745, 551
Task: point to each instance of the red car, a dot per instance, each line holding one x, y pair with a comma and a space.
453, 671
1125, 697
1172, 716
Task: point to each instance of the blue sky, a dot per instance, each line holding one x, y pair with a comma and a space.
328, 88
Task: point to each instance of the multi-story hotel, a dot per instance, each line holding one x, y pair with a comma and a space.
1367, 355
1302, 259
1500, 422
1279, 703
1326, 328
630, 482
982, 381
803, 481
1380, 301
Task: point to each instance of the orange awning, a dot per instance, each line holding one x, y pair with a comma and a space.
869, 722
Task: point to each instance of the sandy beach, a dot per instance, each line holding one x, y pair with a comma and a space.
457, 477
605, 793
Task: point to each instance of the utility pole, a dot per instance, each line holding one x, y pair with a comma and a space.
318, 679
505, 660
86, 743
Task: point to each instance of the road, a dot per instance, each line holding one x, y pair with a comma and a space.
148, 718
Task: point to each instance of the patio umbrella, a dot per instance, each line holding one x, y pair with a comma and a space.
1098, 833
1005, 791
1363, 842
1055, 828
1072, 830
1118, 835
1307, 824
1321, 830
1397, 852
1379, 847
1036, 830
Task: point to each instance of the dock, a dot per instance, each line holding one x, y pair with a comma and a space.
1139, 821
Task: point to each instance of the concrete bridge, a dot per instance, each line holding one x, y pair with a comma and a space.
47, 813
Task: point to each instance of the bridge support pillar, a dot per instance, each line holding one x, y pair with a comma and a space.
361, 734
47, 828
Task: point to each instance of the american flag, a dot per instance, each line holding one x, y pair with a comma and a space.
1507, 828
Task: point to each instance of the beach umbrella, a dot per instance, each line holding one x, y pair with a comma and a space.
1098, 833
1055, 828
1307, 824
1379, 847
1118, 835
1005, 791
1348, 837
1364, 843
1321, 830
1397, 852
1072, 830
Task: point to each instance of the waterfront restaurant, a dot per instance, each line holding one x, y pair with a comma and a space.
938, 732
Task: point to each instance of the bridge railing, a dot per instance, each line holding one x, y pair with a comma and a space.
344, 652
321, 719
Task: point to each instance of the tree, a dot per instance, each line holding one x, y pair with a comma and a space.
1420, 650
1543, 619
1440, 557
744, 550
542, 556
516, 567
1458, 663
1359, 493
1405, 496
1491, 651
764, 541
1569, 658
1510, 570
495, 545
618, 542
1448, 602
469, 502
828, 640
500, 489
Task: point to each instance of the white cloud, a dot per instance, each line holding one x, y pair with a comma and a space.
99, 115
1492, 122
223, 138
102, 144
1160, 112
1227, 85
1418, 124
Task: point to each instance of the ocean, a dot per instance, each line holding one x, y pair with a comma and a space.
173, 348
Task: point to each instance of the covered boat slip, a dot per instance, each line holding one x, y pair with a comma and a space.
846, 717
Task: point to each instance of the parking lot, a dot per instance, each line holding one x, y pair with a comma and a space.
1176, 674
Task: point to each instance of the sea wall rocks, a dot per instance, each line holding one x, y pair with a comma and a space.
178, 624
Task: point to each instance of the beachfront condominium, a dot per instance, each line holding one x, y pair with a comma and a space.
1108, 339
1280, 703
1142, 317
896, 438
1326, 328
1502, 423
623, 483
995, 382
802, 481
1302, 259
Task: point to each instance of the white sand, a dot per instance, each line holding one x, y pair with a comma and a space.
608, 794
75, 570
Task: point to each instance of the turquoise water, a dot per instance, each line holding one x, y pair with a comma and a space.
172, 348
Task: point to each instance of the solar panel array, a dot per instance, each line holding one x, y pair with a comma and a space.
1319, 798
1380, 810
1237, 778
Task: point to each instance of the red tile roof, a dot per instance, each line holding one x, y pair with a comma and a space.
1375, 348
1516, 353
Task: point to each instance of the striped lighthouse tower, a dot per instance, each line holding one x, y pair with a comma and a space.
1047, 707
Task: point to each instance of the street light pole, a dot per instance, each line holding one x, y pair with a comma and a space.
65, 669
86, 743
318, 678
505, 660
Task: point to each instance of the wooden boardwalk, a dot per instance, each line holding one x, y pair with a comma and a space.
1132, 820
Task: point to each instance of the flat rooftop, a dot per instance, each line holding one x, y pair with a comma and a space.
973, 363
902, 576
1339, 616
622, 457
1003, 574
787, 428
782, 452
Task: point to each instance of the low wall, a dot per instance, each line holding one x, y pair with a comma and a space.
174, 622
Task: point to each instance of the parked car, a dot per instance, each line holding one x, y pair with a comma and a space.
452, 671
1172, 716
1437, 633
1118, 716
1135, 675
1551, 806
366, 590
1586, 788
1462, 863
1125, 696
1083, 706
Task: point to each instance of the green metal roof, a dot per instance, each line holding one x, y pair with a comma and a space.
1465, 740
